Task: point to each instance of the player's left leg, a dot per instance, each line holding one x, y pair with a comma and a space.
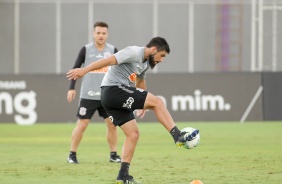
111, 134
112, 138
131, 132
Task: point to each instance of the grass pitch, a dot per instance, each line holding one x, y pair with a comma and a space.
229, 153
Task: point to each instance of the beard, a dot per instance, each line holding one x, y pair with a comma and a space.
152, 62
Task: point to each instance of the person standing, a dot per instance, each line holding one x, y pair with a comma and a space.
121, 99
90, 92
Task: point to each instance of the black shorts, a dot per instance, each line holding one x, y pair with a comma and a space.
121, 101
87, 108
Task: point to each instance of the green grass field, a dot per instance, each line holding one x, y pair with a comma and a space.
229, 153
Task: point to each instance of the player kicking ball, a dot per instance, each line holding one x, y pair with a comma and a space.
120, 99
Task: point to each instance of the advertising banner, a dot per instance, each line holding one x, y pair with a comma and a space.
208, 96
272, 99
27, 99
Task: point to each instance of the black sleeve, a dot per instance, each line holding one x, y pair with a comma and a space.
78, 63
116, 50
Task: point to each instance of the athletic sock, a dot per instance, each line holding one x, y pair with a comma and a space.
124, 170
113, 154
175, 133
72, 153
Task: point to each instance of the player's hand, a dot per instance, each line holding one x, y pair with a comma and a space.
140, 112
76, 73
71, 95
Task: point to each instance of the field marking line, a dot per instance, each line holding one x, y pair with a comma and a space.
251, 104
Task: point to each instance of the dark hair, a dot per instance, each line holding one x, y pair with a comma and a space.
101, 24
160, 43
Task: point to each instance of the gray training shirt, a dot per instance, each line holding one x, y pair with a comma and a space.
91, 82
130, 65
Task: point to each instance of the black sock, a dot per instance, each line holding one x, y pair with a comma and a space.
73, 153
175, 133
124, 169
113, 154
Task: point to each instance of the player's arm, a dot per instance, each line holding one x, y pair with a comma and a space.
79, 72
101, 64
140, 83
78, 63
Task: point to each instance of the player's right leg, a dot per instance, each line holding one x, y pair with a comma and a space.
157, 105
76, 138
85, 112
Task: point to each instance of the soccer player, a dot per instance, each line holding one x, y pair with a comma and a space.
120, 99
90, 92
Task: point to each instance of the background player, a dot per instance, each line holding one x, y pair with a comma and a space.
90, 92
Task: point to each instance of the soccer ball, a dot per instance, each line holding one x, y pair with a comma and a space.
193, 143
